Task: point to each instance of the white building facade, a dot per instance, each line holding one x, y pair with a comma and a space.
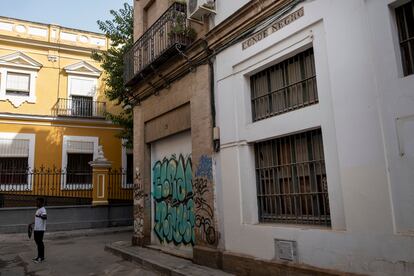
316, 117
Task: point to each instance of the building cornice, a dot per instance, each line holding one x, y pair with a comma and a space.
47, 25
247, 17
46, 44
40, 118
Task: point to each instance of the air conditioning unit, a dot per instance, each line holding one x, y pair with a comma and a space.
198, 8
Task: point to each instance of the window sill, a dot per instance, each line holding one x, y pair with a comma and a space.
294, 226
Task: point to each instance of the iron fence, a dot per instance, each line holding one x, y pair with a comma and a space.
20, 187
169, 33
120, 188
78, 106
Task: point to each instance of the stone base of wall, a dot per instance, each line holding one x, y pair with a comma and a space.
65, 218
137, 241
208, 257
241, 265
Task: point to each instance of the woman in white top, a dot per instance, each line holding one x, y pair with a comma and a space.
39, 230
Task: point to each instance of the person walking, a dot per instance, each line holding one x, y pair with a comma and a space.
39, 229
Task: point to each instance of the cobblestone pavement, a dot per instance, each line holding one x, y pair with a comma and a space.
65, 256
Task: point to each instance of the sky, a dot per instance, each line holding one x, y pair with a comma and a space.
78, 14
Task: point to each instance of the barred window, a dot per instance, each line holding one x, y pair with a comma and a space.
291, 180
78, 169
13, 170
14, 156
284, 87
405, 23
79, 154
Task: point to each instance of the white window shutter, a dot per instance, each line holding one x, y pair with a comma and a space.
83, 87
79, 147
14, 148
18, 82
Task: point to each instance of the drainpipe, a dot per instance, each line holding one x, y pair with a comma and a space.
216, 131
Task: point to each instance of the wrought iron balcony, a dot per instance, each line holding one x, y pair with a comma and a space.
169, 34
81, 107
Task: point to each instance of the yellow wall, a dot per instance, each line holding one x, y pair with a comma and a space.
52, 80
48, 146
51, 84
51, 46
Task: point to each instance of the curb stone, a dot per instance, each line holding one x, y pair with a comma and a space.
161, 262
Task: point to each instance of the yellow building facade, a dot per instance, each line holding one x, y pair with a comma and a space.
52, 102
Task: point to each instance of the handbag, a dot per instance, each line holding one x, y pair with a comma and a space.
30, 230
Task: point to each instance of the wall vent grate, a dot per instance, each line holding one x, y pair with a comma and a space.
285, 250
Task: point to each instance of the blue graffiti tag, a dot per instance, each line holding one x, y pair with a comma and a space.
205, 167
173, 200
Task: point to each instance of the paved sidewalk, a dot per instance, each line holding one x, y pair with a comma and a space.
68, 254
164, 263
69, 234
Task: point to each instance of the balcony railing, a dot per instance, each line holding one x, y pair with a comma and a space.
82, 107
162, 40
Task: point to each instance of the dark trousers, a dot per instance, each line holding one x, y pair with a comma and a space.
38, 237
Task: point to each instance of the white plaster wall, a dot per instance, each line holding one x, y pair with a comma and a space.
165, 148
361, 93
227, 8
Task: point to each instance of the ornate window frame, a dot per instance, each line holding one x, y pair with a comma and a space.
22, 64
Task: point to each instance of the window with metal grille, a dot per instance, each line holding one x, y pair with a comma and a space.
78, 169
13, 170
291, 180
286, 86
405, 23
14, 160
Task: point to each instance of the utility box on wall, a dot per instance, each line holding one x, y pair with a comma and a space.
286, 251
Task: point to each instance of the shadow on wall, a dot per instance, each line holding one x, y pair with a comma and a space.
48, 145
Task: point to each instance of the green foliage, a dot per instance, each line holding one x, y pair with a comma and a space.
180, 28
120, 32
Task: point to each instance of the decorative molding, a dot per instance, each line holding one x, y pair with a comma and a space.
18, 100
9, 122
68, 36
19, 59
51, 45
6, 26
98, 41
20, 28
15, 116
52, 58
37, 31
51, 34
83, 68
